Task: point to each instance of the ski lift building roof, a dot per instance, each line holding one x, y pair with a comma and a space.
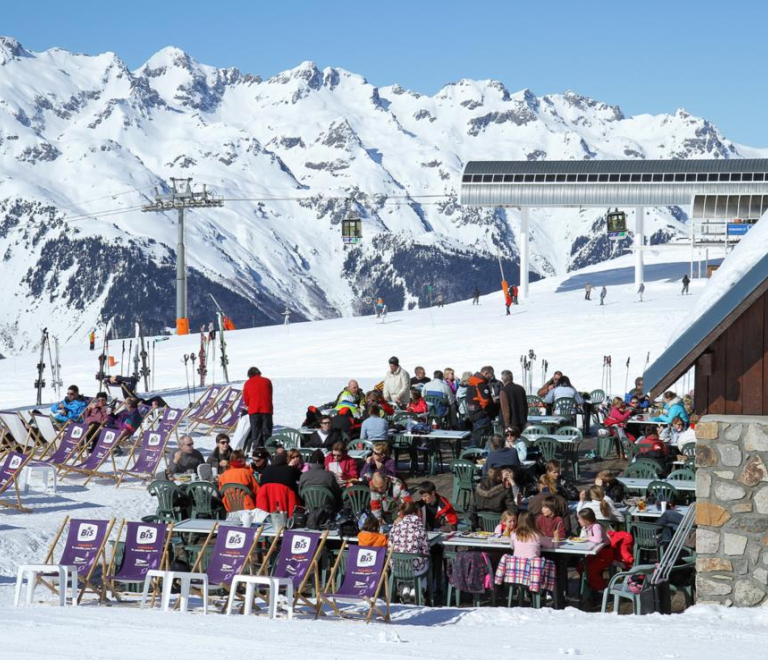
725, 337
609, 182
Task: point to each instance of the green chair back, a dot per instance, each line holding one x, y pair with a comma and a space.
288, 438
306, 454
651, 462
682, 474
488, 520
534, 430
596, 397
463, 482
364, 445
571, 432
689, 449
316, 496
234, 496
204, 500
535, 404
640, 471
549, 447
605, 445
359, 498
473, 454
565, 406
662, 492
402, 416
166, 493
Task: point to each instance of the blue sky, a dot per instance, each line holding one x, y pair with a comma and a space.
648, 56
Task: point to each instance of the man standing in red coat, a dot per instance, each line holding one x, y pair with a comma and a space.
257, 396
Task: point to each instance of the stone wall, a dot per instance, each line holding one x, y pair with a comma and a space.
732, 510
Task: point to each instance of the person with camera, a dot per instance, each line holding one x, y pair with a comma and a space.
494, 494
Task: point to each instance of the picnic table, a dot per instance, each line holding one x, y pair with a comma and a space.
642, 484
651, 511
645, 420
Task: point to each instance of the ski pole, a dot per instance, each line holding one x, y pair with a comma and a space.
186, 372
192, 358
626, 379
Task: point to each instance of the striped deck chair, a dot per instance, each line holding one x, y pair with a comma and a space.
145, 549
106, 443
146, 455
47, 431
10, 469
365, 576
83, 553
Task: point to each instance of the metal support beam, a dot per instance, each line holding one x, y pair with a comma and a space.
639, 242
181, 271
524, 252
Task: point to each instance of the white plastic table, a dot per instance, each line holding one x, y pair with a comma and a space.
642, 484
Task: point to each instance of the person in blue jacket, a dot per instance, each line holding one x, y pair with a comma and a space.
71, 408
673, 407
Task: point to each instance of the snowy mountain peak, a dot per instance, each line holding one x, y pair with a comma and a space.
11, 49
168, 57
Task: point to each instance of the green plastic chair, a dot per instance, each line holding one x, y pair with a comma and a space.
618, 588
606, 444
662, 491
359, 497
647, 537
361, 445
689, 449
431, 450
316, 496
288, 438
403, 444
204, 499
651, 462
566, 406
234, 496
550, 447
166, 493
451, 591
571, 451
570, 432
630, 449
402, 572
435, 402
488, 520
535, 404
463, 483
473, 454
306, 454
535, 430
640, 471
401, 417
682, 474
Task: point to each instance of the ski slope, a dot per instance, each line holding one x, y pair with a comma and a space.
571, 334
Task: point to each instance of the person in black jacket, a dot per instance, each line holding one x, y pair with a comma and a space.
323, 437
513, 401
128, 386
279, 472
481, 408
492, 494
317, 475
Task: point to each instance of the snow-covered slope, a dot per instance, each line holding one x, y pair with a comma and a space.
81, 135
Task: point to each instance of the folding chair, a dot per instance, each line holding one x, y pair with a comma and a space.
151, 446
221, 410
18, 429
297, 562
71, 439
83, 553
365, 575
104, 450
145, 549
10, 471
47, 431
206, 402
230, 556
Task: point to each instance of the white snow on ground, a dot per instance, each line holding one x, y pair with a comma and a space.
310, 363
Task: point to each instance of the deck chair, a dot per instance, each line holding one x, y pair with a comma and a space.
207, 400
170, 420
145, 548
47, 431
106, 443
71, 439
18, 429
10, 471
298, 562
364, 577
221, 410
83, 553
151, 450
230, 556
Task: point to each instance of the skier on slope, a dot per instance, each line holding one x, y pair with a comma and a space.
588, 291
476, 296
603, 293
686, 282
641, 290
92, 339
507, 300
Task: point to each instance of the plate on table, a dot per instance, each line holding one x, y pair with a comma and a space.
577, 539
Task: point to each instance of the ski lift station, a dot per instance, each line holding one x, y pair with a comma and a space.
725, 196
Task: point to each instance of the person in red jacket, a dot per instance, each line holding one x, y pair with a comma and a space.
437, 511
341, 464
257, 396
238, 473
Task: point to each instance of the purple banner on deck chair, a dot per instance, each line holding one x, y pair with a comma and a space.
229, 553
150, 452
296, 554
83, 544
144, 547
72, 437
105, 443
170, 416
364, 567
13, 461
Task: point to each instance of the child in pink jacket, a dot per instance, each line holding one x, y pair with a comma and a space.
527, 541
